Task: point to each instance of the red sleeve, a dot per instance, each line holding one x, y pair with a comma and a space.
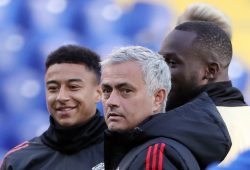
154, 157
158, 156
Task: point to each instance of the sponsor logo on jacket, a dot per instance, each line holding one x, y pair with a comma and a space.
99, 166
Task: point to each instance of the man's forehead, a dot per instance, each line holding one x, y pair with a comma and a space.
177, 41
121, 69
123, 73
186, 36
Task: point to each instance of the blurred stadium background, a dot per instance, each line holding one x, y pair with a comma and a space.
30, 29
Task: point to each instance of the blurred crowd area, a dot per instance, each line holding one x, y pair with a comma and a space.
30, 29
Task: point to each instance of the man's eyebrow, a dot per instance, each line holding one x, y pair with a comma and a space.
168, 54
70, 80
105, 85
51, 82
120, 85
75, 80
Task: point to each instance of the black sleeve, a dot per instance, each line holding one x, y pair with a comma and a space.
158, 156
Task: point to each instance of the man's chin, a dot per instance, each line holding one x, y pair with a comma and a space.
179, 97
67, 123
115, 127
176, 99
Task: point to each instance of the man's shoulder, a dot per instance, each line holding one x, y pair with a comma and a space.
17, 148
24, 155
157, 152
166, 146
24, 149
14, 154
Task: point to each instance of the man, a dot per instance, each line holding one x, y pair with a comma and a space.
200, 63
239, 133
135, 82
74, 139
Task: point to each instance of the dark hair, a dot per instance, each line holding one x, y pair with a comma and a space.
76, 55
210, 39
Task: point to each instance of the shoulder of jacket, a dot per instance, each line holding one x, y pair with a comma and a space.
17, 148
154, 152
165, 148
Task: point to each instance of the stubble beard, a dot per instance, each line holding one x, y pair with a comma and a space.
182, 94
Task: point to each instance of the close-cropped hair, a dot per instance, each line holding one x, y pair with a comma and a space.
75, 54
211, 40
205, 12
155, 71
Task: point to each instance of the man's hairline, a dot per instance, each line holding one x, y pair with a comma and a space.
80, 63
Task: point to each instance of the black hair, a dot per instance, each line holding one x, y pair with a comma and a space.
75, 54
210, 39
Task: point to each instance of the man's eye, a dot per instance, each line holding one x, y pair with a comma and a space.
52, 89
74, 87
171, 63
126, 91
106, 90
106, 93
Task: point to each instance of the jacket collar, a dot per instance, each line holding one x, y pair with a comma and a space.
73, 139
224, 94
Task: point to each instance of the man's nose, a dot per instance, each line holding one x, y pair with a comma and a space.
113, 100
63, 95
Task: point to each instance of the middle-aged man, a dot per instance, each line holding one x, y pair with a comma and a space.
135, 82
198, 54
74, 139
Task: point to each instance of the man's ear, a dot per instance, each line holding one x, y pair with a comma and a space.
98, 94
212, 70
159, 98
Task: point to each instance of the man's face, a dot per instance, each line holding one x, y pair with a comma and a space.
72, 92
125, 98
187, 69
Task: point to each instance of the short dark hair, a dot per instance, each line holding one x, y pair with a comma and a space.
75, 54
210, 39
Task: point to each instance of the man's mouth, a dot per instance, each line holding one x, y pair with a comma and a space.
64, 110
113, 115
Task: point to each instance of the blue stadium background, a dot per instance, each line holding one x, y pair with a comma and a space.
30, 29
